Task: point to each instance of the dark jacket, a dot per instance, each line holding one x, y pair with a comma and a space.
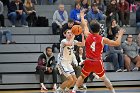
13, 7
138, 15
78, 58
49, 62
111, 8
113, 33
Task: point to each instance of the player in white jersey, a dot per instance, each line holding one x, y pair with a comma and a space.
66, 57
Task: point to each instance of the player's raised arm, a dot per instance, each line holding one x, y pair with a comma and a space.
116, 42
84, 23
83, 41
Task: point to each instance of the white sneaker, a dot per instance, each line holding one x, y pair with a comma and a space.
84, 86
119, 70
24, 26
13, 25
54, 87
135, 69
125, 70
59, 91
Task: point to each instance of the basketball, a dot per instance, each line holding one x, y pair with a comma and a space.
76, 29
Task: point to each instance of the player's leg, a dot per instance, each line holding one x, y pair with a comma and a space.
79, 81
85, 72
107, 83
98, 68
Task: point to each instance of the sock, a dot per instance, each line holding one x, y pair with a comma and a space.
75, 88
113, 91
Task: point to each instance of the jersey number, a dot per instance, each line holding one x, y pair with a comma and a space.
93, 46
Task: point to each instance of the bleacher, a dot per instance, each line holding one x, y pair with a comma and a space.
18, 61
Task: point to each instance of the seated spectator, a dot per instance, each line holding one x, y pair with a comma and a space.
47, 65
75, 14
31, 13
8, 36
66, 26
115, 55
85, 5
112, 30
111, 12
60, 18
123, 7
131, 50
16, 12
1, 15
100, 5
138, 18
95, 14
80, 57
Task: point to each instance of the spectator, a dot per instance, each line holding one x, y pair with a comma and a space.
1, 15
60, 18
16, 12
30, 11
95, 14
138, 42
115, 55
112, 30
111, 12
8, 36
75, 14
124, 14
52, 1
47, 65
85, 5
138, 18
78, 1
66, 26
5, 2
100, 5
133, 6
131, 50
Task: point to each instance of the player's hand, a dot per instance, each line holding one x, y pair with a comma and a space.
121, 31
82, 13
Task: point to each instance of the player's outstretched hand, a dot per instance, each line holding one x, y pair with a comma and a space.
121, 31
82, 13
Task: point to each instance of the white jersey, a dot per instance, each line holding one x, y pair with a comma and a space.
67, 52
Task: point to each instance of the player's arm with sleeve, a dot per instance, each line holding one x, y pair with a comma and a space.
84, 24
116, 42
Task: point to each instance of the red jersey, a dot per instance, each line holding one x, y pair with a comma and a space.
94, 46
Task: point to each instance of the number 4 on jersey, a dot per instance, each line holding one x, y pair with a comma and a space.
93, 46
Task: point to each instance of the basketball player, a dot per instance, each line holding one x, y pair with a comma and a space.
66, 57
94, 46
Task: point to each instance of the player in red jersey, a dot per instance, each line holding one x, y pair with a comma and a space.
94, 46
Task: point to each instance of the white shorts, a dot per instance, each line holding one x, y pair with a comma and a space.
65, 68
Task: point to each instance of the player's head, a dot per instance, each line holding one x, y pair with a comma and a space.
94, 26
48, 51
68, 34
70, 23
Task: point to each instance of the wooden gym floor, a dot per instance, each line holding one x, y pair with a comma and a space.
89, 90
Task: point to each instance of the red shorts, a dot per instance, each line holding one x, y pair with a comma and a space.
93, 66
